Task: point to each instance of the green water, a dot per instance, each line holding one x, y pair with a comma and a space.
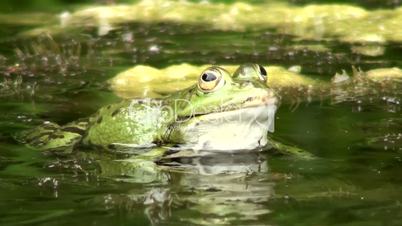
356, 179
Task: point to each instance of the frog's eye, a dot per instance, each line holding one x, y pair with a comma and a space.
211, 79
251, 71
263, 72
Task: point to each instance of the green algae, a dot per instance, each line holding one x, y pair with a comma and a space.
147, 81
140, 81
341, 22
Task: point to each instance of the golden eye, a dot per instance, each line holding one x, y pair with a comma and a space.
211, 79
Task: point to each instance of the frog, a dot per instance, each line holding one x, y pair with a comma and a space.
220, 113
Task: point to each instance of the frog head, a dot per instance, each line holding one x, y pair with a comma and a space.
222, 112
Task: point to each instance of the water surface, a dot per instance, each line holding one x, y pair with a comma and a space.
354, 181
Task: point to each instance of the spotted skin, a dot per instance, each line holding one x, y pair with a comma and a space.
134, 122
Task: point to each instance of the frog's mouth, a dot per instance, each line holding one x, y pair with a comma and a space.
244, 128
265, 99
260, 114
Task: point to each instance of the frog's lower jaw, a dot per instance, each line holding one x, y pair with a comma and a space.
242, 129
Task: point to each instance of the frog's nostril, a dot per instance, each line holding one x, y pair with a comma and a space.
249, 99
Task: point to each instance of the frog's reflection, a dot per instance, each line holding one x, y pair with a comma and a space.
225, 164
225, 188
213, 189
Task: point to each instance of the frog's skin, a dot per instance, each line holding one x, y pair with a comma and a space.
219, 113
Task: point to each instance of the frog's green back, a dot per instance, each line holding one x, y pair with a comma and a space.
134, 123
137, 123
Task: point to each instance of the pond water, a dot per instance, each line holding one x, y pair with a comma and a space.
59, 77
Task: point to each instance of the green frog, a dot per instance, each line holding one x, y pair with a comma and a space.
220, 113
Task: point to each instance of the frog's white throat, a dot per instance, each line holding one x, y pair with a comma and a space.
241, 129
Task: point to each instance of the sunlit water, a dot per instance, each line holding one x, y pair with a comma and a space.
355, 179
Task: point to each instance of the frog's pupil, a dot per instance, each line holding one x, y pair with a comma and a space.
262, 70
207, 77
